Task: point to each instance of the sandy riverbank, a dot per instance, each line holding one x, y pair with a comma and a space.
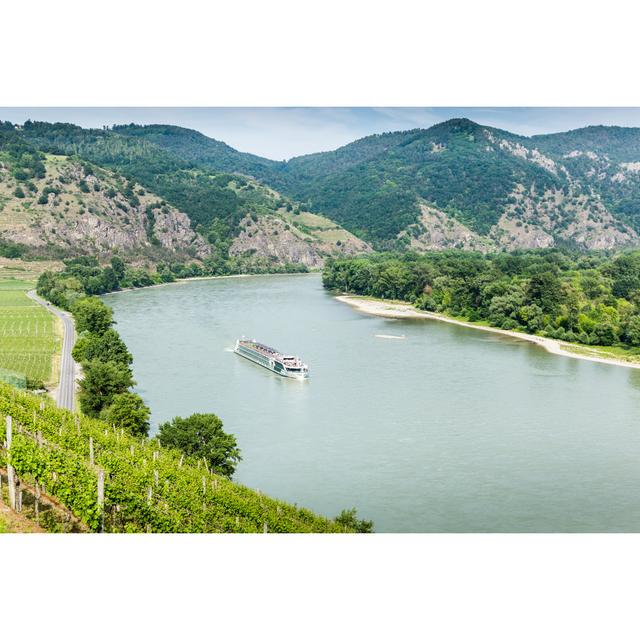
402, 310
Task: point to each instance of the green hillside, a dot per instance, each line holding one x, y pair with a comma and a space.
456, 184
147, 487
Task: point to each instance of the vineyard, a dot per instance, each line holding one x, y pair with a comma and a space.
114, 482
28, 339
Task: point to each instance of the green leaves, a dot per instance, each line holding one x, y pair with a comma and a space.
589, 299
186, 498
201, 435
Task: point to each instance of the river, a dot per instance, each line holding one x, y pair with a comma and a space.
448, 429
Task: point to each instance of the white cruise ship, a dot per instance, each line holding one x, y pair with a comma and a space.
287, 366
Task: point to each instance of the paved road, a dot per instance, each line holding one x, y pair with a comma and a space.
65, 395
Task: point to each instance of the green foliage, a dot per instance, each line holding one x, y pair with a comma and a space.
10, 249
593, 300
104, 347
92, 315
129, 412
348, 519
101, 382
186, 498
201, 435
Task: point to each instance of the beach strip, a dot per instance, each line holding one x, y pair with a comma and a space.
403, 310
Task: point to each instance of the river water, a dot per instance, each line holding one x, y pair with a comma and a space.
448, 429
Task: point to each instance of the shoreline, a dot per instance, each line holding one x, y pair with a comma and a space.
404, 310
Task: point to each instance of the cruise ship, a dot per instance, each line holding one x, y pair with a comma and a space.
270, 358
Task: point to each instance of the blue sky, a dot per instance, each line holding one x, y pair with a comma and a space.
281, 133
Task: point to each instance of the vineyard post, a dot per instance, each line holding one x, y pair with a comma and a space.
90, 450
37, 503
101, 498
11, 474
19, 498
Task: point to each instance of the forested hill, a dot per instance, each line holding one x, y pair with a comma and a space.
457, 184
480, 187
61, 185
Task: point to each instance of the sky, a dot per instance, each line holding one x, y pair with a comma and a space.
281, 133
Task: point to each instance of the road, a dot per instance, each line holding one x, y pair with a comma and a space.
65, 395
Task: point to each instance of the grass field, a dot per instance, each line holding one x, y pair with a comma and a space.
29, 335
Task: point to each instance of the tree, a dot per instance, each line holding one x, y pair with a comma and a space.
545, 289
604, 334
101, 383
201, 435
106, 347
632, 331
117, 264
128, 411
348, 519
92, 315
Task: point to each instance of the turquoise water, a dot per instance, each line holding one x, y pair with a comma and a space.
449, 429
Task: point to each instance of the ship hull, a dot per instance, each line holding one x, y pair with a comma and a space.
268, 363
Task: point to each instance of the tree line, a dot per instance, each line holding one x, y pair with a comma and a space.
592, 299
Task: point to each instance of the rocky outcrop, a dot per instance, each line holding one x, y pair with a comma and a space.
77, 209
436, 230
534, 221
281, 240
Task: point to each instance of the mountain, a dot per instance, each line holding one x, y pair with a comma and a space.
462, 184
456, 184
65, 190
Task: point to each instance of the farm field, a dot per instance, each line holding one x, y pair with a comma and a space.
29, 336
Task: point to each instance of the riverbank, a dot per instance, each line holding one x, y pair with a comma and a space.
403, 310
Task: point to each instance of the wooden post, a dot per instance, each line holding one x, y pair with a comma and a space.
90, 450
181, 460
149, 495
266, 528
155, 476
19, 498
37, 503
11, 474
101, 498
204, 484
